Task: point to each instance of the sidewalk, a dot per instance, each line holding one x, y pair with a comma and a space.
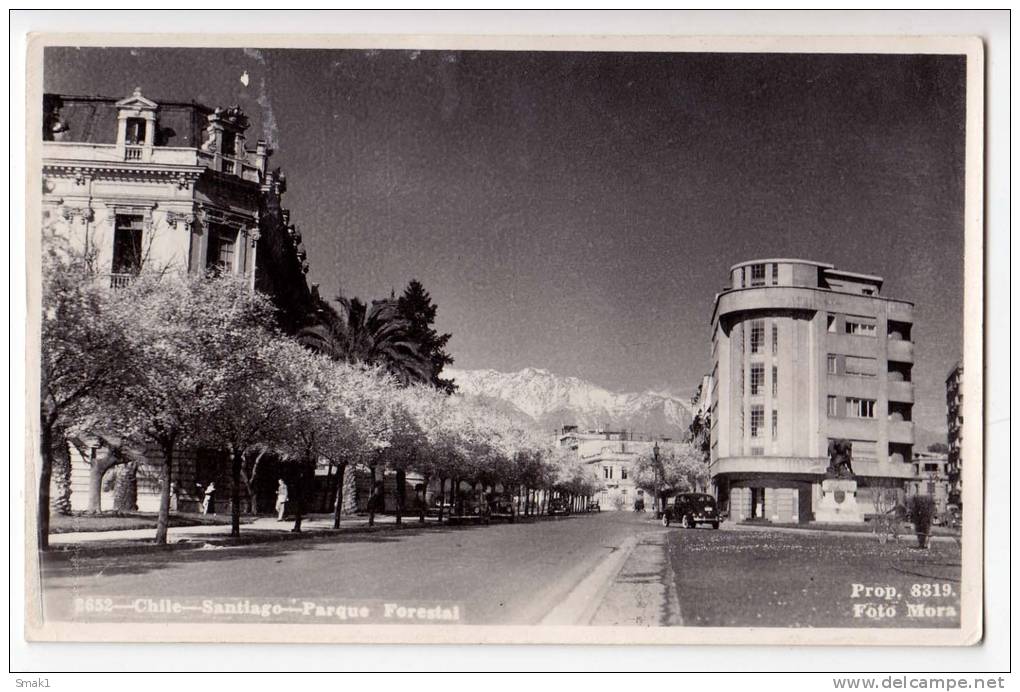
263, 526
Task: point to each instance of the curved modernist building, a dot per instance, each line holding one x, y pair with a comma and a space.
803, 353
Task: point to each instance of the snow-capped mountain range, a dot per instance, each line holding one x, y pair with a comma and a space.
552, 401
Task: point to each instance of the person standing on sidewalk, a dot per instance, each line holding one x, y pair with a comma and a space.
209, 505
281, 500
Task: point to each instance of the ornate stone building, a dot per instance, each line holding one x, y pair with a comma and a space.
168, 185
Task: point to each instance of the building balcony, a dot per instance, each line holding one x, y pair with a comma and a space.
901, 432
242, 167
902, 392
802, 468
901, 351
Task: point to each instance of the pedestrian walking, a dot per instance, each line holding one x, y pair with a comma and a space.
209, 503
281, 500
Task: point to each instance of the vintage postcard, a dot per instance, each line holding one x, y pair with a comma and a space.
505, 339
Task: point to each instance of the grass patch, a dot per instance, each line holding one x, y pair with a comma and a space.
779, 579
121, 521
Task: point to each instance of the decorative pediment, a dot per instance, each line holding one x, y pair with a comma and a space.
137, 102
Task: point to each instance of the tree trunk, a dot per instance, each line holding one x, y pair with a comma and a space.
235, 493
442, 497
527, 501
249, 484
424, 498
326, 493
372, 500
96, 472
45, 476
302, 495
339, 506
163, 521
125, 488
61, 469
401, 495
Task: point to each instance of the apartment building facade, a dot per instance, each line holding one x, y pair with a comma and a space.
804, 353
954, 420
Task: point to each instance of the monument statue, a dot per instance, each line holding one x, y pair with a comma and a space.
840, 458
838, 501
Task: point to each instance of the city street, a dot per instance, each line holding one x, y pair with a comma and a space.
520, 573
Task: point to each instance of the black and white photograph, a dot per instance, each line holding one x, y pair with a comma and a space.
558, 341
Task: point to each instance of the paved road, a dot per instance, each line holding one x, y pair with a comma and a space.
500, 574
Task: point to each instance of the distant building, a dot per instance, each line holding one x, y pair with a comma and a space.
611, 456
932, 479
954, 418
168, 185
804, 353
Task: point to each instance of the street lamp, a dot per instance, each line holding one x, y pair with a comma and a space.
655, 467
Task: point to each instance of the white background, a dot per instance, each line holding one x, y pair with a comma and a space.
992, 655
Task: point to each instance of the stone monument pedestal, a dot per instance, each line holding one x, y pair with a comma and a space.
839, 502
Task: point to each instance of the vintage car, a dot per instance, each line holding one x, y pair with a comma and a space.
469, 510
503, 508
558, 506
690, 509
593, 506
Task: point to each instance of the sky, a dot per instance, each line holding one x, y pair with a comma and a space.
579, 211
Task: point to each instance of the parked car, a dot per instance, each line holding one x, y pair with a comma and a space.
470, 510
503, 508
690, 509
433, 509
593, 506
558, 506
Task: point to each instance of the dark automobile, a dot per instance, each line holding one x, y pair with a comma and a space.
503, 508
691, 509
558, 506
593, 506
469, 510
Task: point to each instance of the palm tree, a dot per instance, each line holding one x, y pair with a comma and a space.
374, 334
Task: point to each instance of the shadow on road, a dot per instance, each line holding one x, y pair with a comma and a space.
95, 560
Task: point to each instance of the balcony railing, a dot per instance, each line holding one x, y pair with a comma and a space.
121, 279
132, 153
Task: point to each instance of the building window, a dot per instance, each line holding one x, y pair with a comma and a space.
832, 364
607, 472
860, 367
623, 474
775, 381
831, 407
219, 256
743, 277
830, 324
757, 274
775, 339
229, 144
134, 134
860, 408
859, 328
757, 335
757, 419
775, 274
127, 244
757, 378
775, 424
